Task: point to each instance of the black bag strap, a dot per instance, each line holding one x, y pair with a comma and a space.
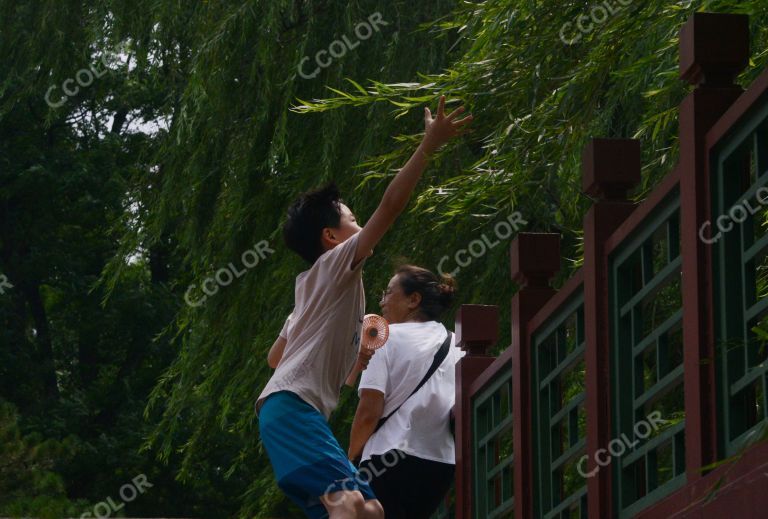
440, 356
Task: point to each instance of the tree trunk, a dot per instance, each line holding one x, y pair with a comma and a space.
46, 361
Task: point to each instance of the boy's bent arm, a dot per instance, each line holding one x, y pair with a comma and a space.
276, 352
439, 130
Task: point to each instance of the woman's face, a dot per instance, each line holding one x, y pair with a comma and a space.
396, 307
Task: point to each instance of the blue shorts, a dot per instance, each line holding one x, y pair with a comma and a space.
306, 458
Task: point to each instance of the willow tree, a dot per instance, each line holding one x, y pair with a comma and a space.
250, 132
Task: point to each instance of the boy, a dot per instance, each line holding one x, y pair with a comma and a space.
319, 344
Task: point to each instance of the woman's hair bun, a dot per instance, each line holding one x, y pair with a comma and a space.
447, 286
436, 293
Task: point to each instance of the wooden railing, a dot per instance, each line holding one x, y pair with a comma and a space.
624, 393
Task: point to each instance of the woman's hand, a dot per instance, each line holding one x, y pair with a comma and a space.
442, 128
364, 356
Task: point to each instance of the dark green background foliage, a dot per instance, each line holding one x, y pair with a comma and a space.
106, 218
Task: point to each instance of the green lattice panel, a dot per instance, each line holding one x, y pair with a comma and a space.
559, 413
647, 357
740, 207
493, 456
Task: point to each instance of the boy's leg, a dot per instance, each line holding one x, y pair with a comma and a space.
351, 505
308, 462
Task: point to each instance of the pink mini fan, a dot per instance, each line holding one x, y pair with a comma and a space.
375, 332
374, 335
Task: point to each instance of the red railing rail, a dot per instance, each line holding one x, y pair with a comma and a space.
477, 329
610, 168
535, 261
711, 68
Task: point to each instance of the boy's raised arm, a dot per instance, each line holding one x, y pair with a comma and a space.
438, 130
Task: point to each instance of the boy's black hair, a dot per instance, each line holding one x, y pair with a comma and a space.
307, 217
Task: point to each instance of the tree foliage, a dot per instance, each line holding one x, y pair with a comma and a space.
26, 468
76, 365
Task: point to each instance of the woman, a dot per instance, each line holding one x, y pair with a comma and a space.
410, 460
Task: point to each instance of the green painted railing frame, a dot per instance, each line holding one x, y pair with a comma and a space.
483, 438
626, 406
738, 153
544, 465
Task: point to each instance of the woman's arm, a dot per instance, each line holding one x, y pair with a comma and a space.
276, 352
368, 414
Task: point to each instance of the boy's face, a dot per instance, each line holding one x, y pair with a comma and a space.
333, 236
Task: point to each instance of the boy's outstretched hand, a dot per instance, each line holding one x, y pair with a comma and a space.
442, 128
439, 130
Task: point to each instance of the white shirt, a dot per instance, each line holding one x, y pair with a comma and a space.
323, 332
420, 427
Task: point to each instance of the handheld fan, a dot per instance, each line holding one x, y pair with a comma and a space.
375, 332
374, 335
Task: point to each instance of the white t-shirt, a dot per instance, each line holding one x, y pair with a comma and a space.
420, 427
323, 331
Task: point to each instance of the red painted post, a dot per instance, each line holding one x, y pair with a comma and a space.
477, 329
714, 48
610, 167
535, 261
